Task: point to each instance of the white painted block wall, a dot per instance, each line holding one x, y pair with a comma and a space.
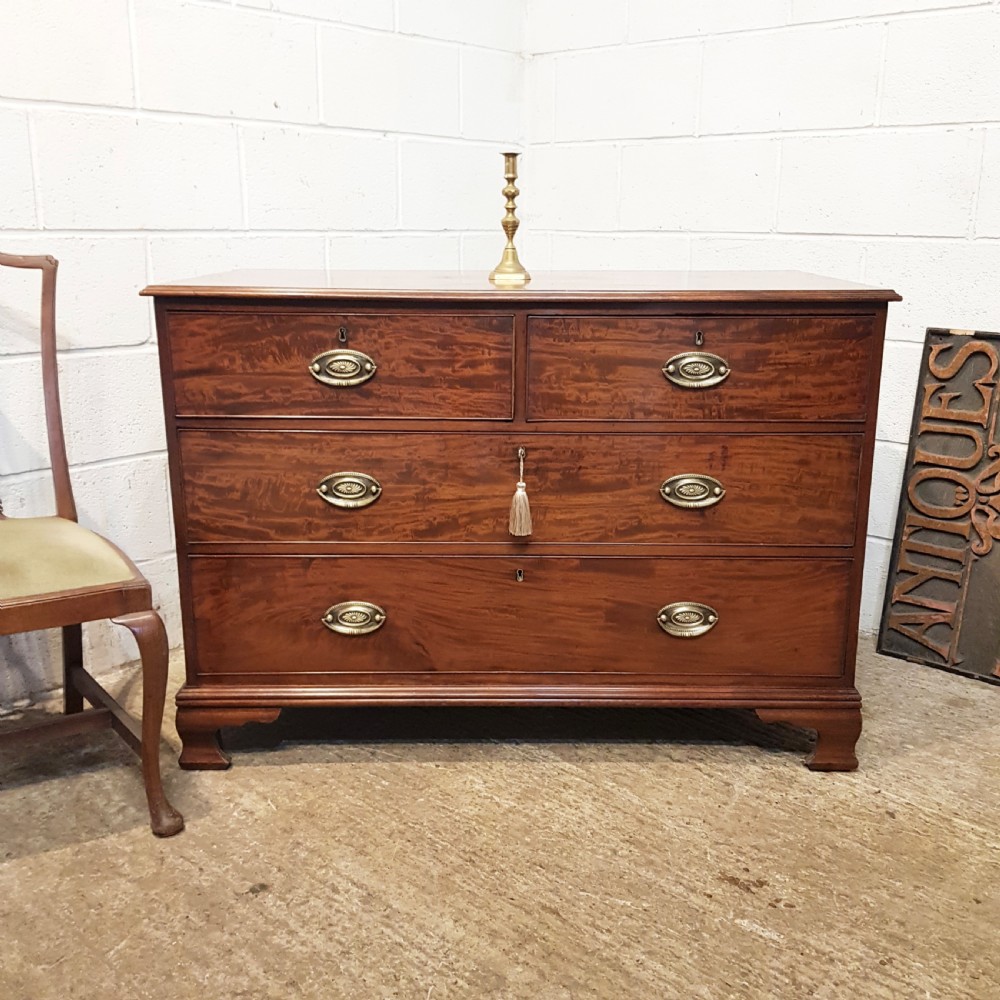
147, 140
854, 138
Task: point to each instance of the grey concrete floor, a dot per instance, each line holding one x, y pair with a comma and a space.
519, 854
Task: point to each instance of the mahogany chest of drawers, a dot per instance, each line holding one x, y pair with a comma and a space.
696, 455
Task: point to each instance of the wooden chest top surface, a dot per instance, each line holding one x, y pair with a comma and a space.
561, 286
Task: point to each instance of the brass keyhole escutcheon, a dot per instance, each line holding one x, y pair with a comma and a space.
519, 575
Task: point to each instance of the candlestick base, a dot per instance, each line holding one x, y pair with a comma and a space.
510, 270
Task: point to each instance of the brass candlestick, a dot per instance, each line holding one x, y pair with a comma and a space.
510, 271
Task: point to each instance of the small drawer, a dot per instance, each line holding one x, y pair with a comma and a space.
698, 368
360, 487
424, 365
709, 618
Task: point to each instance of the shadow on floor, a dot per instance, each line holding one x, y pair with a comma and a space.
462, 725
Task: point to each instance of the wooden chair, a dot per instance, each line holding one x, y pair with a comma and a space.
56, 574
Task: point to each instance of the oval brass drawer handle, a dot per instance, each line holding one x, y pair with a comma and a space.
692, 490
342, 367
696, 370
686, 619
354, 618
349, 489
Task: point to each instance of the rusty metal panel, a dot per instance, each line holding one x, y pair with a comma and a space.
942, 599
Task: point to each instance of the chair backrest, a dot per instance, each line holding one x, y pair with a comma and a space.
65, 505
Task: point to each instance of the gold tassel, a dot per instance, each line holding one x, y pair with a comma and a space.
520, 511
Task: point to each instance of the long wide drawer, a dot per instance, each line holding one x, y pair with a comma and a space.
698, 368
425, 365
541, 615
259, 486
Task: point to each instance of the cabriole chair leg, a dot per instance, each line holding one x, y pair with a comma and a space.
151, 638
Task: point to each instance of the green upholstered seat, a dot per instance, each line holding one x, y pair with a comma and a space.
41, 555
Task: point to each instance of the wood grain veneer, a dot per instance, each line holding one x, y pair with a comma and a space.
455, 487
447, 615
257, 364
609, 367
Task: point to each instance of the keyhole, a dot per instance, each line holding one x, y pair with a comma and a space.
519, 575
342, 335
699, 338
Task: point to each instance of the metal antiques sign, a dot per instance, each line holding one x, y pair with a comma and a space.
942, 600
